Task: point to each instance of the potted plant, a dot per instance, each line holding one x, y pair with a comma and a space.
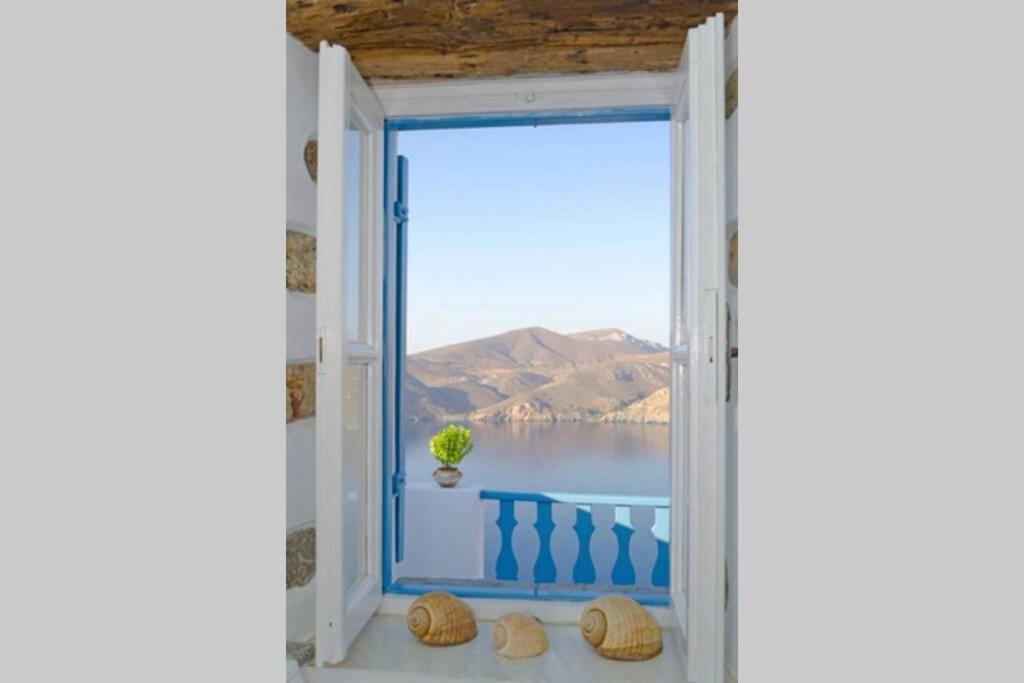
449, 446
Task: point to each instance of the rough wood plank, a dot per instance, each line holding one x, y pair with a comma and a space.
417, 39
396, 65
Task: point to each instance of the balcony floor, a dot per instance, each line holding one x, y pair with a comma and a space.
387, 652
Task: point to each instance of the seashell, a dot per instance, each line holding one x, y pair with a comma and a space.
619, 628
440, 619
517, 635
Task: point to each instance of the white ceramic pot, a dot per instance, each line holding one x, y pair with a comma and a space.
447, 477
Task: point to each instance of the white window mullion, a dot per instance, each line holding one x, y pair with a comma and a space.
361, 353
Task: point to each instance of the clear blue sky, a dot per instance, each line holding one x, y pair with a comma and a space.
565, 227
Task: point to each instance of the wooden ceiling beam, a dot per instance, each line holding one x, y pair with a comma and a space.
412, 64
416, 39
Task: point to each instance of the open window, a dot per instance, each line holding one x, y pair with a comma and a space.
349, 355
362, 255
534, 285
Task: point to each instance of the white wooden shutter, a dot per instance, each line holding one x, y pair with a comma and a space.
698, 361
348, 384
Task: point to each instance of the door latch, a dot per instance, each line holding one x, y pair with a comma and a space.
321, 332
732, 352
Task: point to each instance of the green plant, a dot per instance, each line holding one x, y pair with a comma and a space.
451, 445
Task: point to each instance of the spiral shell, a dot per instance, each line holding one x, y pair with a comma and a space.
440, 619
619, 628
517, 635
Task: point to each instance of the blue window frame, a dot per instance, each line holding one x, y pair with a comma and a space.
396, 212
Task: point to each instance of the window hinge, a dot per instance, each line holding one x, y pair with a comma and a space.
401, 212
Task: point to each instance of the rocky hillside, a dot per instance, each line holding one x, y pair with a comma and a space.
535, 374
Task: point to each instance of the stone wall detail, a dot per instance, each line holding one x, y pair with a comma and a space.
301, 557
734, 259
302, 653
300, 391
300, 262
732, 93
309, 156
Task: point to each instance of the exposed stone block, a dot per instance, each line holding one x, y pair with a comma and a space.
732, 93
301, 557
309, 156
734, 259
302, 653
300, 391
301, 262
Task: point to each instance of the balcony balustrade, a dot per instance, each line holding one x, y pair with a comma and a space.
623, 572
472, 542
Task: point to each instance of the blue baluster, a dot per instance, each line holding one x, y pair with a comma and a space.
659, 576
544, 567
583, 571
506, 568
623, 573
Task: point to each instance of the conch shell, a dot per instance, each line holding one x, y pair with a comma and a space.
517, 635
619, 628
440, 619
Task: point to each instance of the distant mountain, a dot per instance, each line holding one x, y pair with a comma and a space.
651, 408
614, 336
534, 374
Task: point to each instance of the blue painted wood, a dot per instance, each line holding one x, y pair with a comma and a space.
613, 115
469, 590
391, 509
544, 568
623, 573
659, 576
527, 497
561, 593
660, 529
401, 218
506, 568
583, 570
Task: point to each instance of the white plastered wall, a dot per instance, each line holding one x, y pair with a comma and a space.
301, 124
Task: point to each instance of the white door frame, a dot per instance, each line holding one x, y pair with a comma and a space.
345, 99
528, 94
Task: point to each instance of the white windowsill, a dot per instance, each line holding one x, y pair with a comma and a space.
387, 652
